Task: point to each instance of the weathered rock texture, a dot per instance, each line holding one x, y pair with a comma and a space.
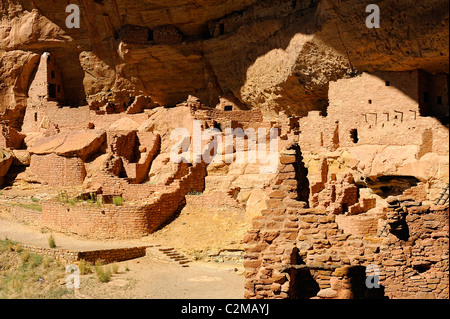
272, 55
360, 115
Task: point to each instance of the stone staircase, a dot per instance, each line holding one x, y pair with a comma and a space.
175, 256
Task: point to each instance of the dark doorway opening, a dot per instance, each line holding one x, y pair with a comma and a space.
52, 91
301, 175
354, 136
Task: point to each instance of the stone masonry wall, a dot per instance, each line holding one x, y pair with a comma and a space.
57, 170
295, 252
106, 255
90, 221
133, 219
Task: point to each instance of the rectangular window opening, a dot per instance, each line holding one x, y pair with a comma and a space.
52, 91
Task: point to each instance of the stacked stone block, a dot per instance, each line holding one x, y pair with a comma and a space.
296, 252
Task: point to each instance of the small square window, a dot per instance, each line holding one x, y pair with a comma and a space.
388, 83
370, 101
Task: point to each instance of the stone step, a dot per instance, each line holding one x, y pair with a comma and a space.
175, 256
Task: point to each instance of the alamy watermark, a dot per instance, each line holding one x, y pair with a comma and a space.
373, 20
73, 19
219, 146
73, 279
373, 278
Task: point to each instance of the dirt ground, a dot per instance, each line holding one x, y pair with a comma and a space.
154, 276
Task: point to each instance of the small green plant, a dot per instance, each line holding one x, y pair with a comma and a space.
115, 268
198, 255
194, 193
118, 200
46, 262
103, 275
63, 197
31, 206
51, 242
35, 260
85, 267
25, 256
98, 266
35, 200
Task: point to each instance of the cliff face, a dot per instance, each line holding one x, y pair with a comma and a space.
273, 55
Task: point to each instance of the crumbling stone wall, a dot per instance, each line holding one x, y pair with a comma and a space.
106, 255
414, 260
108, 221
294, 252
375, 109
58, 170
227, 118
146, 208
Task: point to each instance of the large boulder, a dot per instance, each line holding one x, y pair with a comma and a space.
80, 144
5, 162
165, 120
124, 124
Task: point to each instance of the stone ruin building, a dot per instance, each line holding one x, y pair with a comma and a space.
355, 189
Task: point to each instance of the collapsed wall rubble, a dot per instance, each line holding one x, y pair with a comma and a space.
298, 252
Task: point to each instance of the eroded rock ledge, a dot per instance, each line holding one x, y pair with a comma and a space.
271, 55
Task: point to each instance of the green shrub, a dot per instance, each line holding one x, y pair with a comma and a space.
85, 267
51, 242
35, 260
195, 193
118, 200
46, 262
63, 197
25, 256
105, 276
102, 274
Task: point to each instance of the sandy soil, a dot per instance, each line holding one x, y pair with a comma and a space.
154, 276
